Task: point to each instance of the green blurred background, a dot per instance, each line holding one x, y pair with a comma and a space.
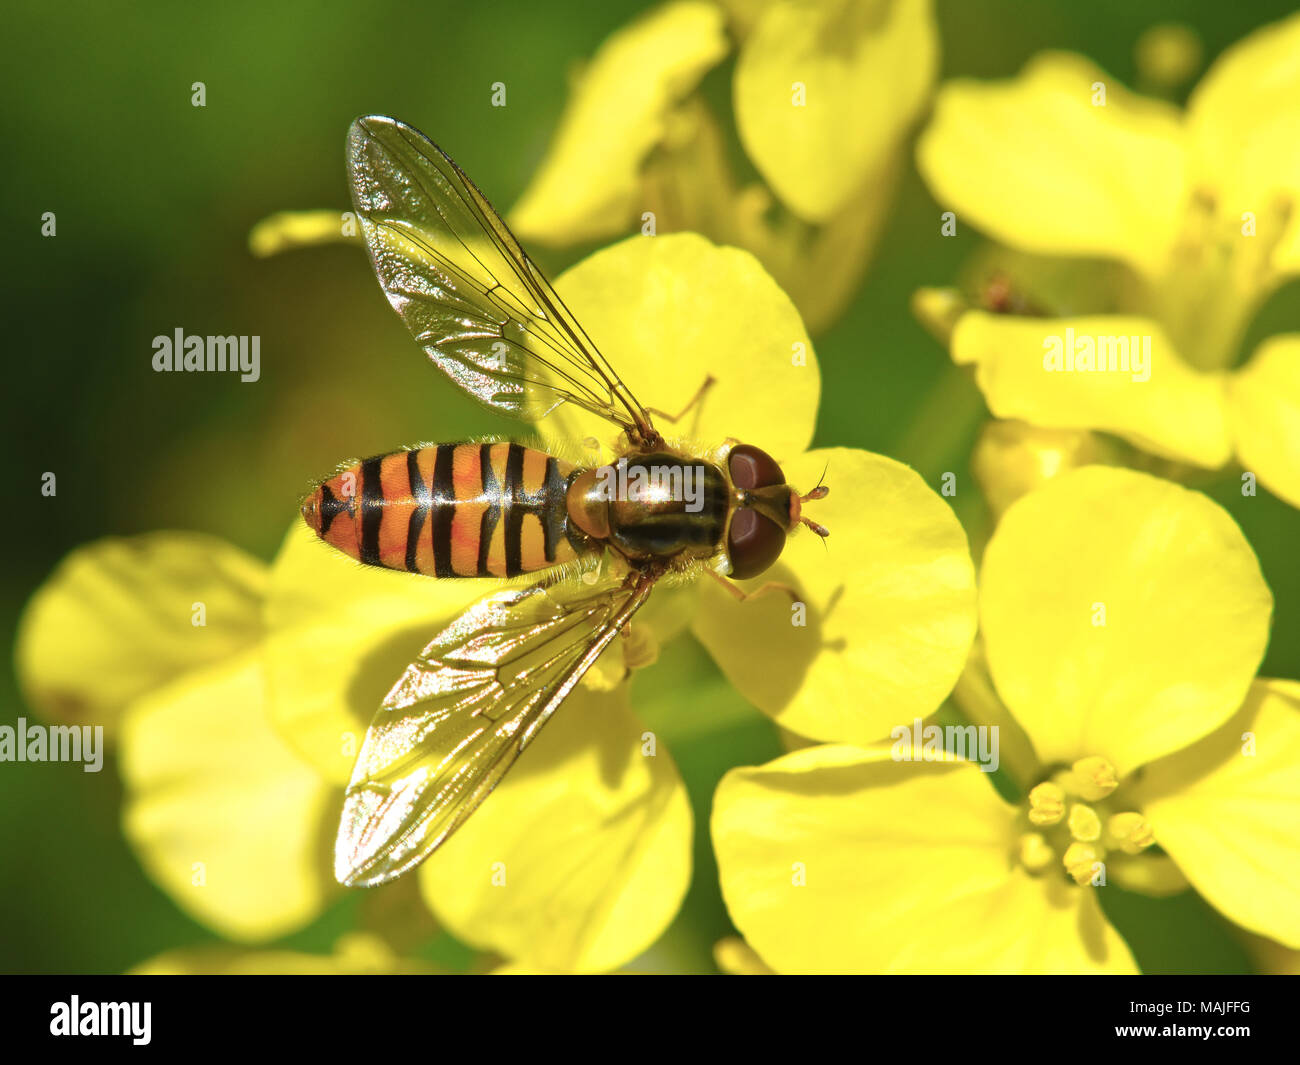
154, 200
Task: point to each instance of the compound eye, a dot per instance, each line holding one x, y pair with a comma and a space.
752, 468
753, 543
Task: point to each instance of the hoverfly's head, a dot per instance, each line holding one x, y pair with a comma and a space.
766, 509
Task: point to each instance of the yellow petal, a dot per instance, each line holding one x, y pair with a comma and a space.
1160, 403
890, 606
1226, 810
286, 230
224, 817
1034, 163
1156, 620
580, 859
1244, 125
671, 311
1264, 398
122, 616
836, 859
825, 92
339, 636
587, 186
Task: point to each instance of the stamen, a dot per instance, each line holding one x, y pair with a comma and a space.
1084, 823
1093, 778
1079, 860
1131, 832
1046, 804
1036, 853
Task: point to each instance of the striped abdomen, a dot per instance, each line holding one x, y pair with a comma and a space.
451, 510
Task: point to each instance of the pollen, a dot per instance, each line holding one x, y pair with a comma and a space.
1046, 804
1130, 832
1093, 778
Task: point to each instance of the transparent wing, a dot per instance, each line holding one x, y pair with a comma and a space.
458, 718
471, 297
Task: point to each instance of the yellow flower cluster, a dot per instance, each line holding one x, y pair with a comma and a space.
1200, 209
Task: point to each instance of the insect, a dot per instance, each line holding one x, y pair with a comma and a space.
598, 537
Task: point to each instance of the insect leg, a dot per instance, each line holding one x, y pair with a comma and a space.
742, 596
709, 382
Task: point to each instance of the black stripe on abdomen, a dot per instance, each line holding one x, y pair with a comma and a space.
492, 514
372, 509
444, 509
512, 500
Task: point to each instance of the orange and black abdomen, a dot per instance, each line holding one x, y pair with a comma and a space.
451, 510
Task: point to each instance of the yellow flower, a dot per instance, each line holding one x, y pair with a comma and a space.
158, 638
1199, 207
1160, 756
589, 185
824, 94
96, 593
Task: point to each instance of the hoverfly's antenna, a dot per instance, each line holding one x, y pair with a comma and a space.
820, 492
820, 530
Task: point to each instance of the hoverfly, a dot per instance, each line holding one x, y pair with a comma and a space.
458, 718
